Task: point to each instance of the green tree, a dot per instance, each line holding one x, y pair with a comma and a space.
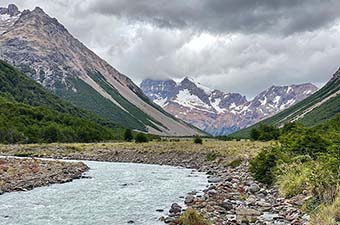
128, 135
141, 138
198, 140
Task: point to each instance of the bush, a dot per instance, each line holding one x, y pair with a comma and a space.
128, 135
293, 178
265, 133
263, 165
192, 217
235, 163
141, 138
198, 140
308, 143
211, 156
23, 154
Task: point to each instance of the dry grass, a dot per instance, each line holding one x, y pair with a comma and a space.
327, 214
230, 149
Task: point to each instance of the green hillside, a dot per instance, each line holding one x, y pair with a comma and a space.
86, 97
305, 111
29, 113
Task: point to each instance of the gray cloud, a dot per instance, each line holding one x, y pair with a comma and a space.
225, 16
239, 46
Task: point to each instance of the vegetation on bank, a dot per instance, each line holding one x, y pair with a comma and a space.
304, 161
192, 217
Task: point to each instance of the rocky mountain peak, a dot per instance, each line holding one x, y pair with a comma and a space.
336, 76
42, 47
218, 112
39, 10
11, 10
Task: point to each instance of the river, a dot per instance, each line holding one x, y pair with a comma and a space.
116, 194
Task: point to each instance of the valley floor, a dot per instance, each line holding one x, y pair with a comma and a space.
233, 197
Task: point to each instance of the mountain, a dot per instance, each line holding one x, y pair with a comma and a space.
43, 49
314, 110
220, 113
29, 113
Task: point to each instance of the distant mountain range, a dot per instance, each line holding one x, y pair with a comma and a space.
217, 112
314, 110
44, 50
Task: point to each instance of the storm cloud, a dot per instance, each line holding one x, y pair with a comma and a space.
225, 16
237, 46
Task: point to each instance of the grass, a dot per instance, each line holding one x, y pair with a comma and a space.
213, 148
293, 179
327, 214
192, 217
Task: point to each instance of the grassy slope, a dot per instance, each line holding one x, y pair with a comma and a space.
326, 111
28, 111
18, 87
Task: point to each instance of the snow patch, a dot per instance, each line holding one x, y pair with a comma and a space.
185, 98
277, 99
215, 104
307, 92
264, 101
162, 102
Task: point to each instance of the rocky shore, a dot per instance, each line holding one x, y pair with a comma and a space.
232, 196
26, 174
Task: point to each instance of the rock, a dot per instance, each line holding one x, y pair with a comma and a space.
212, 192
189, 199
169, 220
214, 180
227, 205
247, 212
263, 204
269, 216
175, 209
254, 188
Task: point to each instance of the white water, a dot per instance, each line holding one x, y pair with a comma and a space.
116, 194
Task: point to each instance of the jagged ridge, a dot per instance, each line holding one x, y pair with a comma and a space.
220, 113
314, 110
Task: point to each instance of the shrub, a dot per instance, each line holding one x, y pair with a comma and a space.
293, 178
198, 140
211, 156
141, 138
263, 165
265, 133
192, 217
255, 134
23, 154
235, 163
128, 135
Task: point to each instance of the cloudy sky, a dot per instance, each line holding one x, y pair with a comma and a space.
233, 45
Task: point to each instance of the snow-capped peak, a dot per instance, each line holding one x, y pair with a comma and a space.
217, 112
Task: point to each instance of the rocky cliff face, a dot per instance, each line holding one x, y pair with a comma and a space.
220, 113
44, 49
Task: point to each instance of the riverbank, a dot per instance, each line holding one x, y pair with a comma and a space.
26, 174
232, 197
